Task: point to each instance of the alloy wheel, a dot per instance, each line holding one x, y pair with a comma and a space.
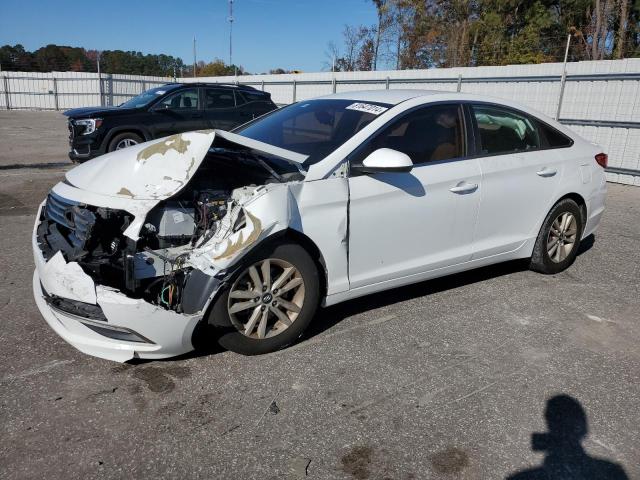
562, 237
125, 142
266, 298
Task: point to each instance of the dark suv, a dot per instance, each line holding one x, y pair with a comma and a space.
162, 111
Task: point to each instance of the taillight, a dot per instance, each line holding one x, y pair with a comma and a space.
602, 159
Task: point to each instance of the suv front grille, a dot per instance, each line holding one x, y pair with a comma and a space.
72, 129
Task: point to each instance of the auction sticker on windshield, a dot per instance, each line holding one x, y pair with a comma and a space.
367, 108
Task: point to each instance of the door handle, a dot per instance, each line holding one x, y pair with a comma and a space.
546, 172
464, 187
196, 115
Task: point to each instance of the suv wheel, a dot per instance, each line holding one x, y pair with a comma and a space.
124, 140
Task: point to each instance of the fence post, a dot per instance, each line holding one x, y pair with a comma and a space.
333, 84
6, 92
55, 93
110, 85
100, 92
144, 86
387, 83
294, 90
563, 80
262, 85
459, 83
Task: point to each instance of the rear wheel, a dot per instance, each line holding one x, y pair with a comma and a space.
269, 303
124, 140
557, 243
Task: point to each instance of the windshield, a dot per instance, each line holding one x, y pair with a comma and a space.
145, 98
314, 127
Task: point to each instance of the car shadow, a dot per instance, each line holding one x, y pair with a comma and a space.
205, 336
328, 317
562, 444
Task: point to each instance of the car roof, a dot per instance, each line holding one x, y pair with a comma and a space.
392, 97
214, 84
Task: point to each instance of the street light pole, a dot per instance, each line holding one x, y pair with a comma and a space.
194, 56
230, 32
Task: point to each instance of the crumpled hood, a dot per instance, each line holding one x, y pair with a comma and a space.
152, 170
158, 169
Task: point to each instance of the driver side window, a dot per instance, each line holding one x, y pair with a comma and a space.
428, 134
184, 100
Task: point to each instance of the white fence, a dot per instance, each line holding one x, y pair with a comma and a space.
601, 100
64, 90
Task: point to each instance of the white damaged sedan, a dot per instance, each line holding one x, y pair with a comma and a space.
313, 204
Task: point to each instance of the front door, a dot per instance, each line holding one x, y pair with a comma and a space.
178, 113
403, 224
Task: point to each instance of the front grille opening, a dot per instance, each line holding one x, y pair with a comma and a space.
91, 236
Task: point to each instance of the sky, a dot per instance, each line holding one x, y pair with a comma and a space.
267, 34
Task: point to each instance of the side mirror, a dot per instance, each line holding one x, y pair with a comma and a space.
162, 108
386, 160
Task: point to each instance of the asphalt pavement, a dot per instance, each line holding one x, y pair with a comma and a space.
450, 378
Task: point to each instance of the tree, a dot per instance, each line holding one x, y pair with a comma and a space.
218, 68
450, 33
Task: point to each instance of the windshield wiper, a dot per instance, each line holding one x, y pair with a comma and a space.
251, 157
267, 167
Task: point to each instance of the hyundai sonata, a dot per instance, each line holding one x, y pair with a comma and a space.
316, 203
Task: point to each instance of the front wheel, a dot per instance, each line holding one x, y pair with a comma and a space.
124, 140
269, 303
559, 238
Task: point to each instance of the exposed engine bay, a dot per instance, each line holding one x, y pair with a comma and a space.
153, 267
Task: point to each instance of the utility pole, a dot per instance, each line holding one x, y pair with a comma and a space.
231, 19
194, 56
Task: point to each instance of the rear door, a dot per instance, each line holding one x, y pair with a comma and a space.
253, 104
220, 108
519, 178
179, 112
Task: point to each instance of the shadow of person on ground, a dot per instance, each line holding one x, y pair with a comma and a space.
565, 458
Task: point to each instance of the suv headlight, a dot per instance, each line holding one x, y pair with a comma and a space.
90, 125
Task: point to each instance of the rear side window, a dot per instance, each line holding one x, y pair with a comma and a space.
218, 98
504, 131
552, 137
253, 97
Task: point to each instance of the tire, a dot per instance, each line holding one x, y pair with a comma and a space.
242, 331
124, 137
557, 244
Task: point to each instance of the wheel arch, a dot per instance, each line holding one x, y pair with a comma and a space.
217, 287
138, 130
288, 234
579, 199
310, 247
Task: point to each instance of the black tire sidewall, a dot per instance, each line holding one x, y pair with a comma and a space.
540, 260
121, 136
231, 339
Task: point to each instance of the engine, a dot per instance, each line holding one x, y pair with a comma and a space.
176, 222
